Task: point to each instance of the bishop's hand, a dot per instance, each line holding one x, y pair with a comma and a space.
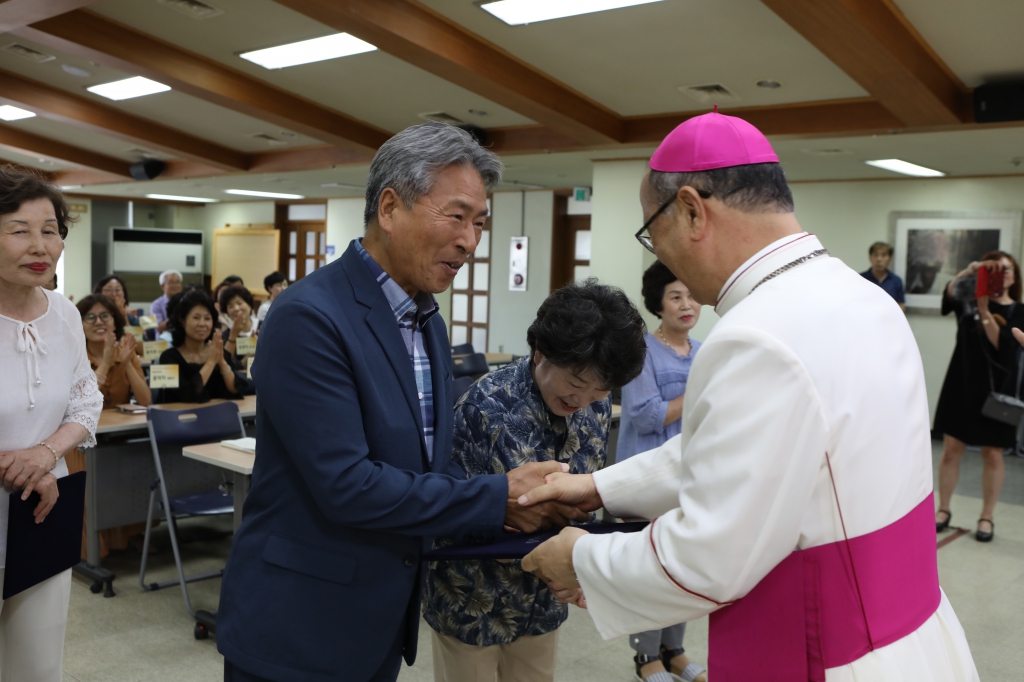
552, 563
577, 490
544, 514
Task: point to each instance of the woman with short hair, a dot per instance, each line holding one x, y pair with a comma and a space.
491, 618
114, 288
206, 371
652, 410
237, 303
49, 405
112, 353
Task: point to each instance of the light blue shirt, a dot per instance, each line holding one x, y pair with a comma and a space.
645, 399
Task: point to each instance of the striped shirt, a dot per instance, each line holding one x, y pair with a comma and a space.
412, 315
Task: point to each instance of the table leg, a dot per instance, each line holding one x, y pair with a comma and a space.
91, 568
239, 490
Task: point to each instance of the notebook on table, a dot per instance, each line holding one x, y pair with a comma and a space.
517, 545
243, 444
39, 551
132, 408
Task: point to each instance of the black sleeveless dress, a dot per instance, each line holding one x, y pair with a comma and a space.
967, 382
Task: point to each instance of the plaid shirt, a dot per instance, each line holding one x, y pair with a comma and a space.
411, 320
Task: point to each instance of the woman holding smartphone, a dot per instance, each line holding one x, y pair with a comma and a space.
985, 359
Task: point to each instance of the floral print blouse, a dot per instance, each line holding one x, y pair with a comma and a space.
500, 424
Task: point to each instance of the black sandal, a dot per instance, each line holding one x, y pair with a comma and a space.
943, 525
982, 536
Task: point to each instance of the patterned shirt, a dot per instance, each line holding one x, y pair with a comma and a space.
412, 315
500, 424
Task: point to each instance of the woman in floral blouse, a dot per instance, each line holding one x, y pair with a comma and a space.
489, 617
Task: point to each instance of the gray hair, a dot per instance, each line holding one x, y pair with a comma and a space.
408, 162
167, 273
754, 188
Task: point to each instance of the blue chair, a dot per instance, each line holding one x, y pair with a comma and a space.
463, 349
181, 428
474, 365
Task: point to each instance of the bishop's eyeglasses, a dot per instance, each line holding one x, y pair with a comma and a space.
645, 239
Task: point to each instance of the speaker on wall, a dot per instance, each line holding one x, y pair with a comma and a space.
147, 169
995, 102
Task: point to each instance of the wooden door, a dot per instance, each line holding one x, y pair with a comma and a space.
471, 296
570, 246
303, 247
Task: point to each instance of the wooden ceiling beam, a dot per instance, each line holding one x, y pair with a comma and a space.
439, 46
874, 43
57, 104
94, 37
36, 145
17, 13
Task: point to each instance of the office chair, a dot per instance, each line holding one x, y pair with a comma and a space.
474, 365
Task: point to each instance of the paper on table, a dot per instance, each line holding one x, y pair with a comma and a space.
243, 444
136, 332
132, 408
148, 322
245, 345
163, 376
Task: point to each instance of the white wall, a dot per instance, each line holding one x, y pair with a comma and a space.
76, 281
512, 312
846, 216
344, 223
210, 217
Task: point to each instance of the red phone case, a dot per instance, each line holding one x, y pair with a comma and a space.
989, 284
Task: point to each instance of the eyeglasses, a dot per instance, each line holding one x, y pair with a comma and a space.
92, 317
645, 239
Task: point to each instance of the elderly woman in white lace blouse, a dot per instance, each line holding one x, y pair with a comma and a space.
49, 404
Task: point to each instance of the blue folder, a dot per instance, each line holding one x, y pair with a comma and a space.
517, 545
39, 551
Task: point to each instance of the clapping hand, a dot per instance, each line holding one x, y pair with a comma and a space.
127, 348
215, 350
110, 350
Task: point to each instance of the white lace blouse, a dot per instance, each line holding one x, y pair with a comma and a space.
45, 381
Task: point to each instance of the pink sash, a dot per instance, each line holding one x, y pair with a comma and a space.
805, 616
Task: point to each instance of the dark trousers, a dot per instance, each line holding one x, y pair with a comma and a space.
388, 671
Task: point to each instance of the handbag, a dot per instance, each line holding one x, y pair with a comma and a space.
1007, 409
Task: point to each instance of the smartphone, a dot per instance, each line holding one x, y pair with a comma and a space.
989, 283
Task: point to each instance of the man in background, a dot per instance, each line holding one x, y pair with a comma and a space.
170, 282
274, 283
880, 255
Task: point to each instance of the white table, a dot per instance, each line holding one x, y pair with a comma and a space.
237, 462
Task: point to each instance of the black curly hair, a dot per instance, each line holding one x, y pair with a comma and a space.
19, 184
189, 300
587, 325
234, 291
656, 278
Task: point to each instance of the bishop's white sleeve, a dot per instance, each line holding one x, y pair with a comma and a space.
754, 439
644, 486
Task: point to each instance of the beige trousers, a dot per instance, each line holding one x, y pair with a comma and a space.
32, 626
528, 659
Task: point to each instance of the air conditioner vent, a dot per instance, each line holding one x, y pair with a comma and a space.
442, 117
193, 8
28, 53
711, 93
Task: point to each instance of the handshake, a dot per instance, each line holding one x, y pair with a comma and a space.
541, 495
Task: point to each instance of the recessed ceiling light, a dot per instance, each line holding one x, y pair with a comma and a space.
308, 51
9, 113
75, 71
905, 167
68, 188
268, 195
343, 185
128, 88
172, 197
517, 12
769, 84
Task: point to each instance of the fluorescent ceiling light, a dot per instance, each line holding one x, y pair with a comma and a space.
171, 197
268, 195
516, 12
308, 51
9, 113
905, 167
68, 188
128, 88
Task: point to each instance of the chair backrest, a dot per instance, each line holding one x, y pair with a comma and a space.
470, 366
459, 388
463, 349
204, 424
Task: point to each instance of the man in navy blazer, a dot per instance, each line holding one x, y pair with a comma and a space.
353, 474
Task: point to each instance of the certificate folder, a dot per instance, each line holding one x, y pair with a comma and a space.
39, 551
517, 545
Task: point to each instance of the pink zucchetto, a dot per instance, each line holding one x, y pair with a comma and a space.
712, 141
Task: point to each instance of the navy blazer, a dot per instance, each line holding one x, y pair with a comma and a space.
325, 567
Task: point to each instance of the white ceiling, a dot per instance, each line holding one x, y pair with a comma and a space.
980, 40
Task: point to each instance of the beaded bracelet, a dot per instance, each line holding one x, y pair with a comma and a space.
56, 457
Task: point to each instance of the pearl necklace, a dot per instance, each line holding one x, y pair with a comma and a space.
665, 341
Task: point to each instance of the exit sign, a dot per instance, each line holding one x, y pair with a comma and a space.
581, 193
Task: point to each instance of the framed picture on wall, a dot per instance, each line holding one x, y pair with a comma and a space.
931, 247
